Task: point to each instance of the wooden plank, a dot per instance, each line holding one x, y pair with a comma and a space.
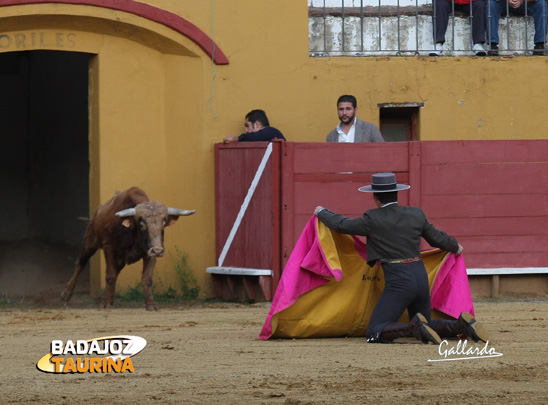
518, 244
483, 179
482, 259
457, 152
341, 197
415, 175
269, 283
495, 286
489, 227
287, 166
480, 206
356, 157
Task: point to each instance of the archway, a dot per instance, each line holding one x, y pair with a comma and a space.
44, 169
143, 81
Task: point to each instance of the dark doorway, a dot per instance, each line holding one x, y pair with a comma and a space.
399, 122
44, 169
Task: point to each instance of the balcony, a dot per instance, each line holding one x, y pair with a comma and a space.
361, 28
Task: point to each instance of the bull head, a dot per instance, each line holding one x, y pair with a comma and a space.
151, 218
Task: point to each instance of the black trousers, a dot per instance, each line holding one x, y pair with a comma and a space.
442, 11
406, 287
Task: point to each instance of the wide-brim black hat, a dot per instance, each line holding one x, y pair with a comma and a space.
383, 183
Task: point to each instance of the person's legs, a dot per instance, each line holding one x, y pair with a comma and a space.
538, 10
466, 324
442, 9
406, 287
478, 21
421, 303
417, 327
492, 17
389, 308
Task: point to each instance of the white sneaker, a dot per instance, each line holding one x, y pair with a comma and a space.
479, 50
438, 50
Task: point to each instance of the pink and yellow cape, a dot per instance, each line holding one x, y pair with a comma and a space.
328, 290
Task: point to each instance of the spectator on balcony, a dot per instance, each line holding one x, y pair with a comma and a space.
257, 129
536, 8
475, 9
352, 129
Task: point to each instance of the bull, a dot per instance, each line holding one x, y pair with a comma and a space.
129, 227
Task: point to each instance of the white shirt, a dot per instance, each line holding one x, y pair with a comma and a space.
347, 137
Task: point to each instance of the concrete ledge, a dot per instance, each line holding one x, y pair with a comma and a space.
510, 273
239, 271
507, 271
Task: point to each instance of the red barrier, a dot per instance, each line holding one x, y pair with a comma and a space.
491, 195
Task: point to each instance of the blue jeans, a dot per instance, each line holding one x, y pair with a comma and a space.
536, 8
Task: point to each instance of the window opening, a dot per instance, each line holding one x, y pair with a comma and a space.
399, 122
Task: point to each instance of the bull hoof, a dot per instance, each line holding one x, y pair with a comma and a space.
65, 296
106, 304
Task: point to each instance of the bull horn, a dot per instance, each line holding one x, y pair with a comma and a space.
175, 211
128, 212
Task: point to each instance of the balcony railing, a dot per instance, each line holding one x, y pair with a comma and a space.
404, 28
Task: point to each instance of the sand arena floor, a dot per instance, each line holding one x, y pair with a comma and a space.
209, 353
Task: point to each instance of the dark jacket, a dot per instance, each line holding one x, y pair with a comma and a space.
393, 232
265, 134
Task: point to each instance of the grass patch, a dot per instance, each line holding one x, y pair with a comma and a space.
186, 290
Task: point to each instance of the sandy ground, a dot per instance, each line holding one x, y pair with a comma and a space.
209, 353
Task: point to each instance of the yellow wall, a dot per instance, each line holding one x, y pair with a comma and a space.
158, 104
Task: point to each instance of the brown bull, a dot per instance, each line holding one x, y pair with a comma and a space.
128, 227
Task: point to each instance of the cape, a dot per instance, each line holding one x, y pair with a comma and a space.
328, 290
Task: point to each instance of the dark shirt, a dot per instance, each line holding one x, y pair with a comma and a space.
265, 134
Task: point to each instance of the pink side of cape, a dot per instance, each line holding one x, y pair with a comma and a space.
451, 291
306, 269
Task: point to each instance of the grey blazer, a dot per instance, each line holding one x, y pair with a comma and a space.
364, 132
393, 232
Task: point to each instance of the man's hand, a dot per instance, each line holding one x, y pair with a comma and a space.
515, 3
459, 251
230, 139
318, 209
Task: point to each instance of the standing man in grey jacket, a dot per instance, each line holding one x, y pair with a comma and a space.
352, 129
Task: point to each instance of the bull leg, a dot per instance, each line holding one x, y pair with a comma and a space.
112, 272
148, 267
85, 253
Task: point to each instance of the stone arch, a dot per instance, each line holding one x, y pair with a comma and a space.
166, 18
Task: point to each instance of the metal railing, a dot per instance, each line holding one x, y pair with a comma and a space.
407, 28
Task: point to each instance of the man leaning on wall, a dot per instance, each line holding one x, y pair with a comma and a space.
352, 129
257, 129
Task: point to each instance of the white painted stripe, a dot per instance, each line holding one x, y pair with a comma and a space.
507, 270
239, 271
245, 204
